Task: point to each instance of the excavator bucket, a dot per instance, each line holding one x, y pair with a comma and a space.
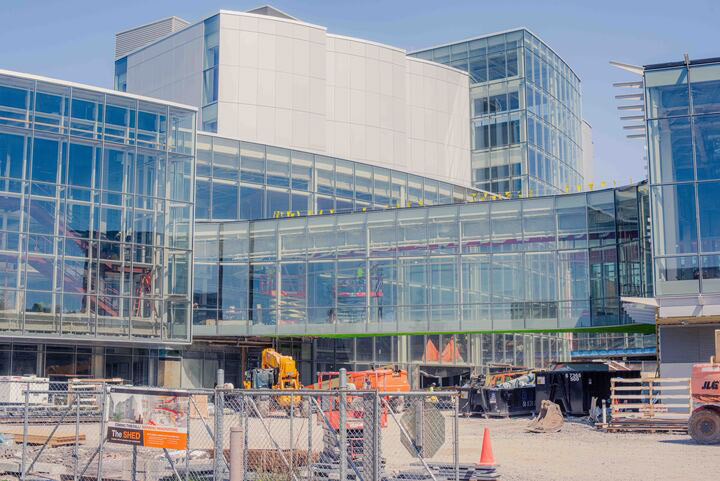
548, 420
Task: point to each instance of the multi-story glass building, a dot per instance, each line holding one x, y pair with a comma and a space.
527, 129
682, 116
96, 213
326, 206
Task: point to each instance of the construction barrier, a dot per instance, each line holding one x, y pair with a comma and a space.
102, 431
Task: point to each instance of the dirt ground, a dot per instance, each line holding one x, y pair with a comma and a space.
579, 452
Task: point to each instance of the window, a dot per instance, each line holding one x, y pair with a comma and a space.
667, 93
707, 147
11, 155
210, 73
670, 149
705, 88
224, 201
675, 229
708, 195
121, 74
45, 160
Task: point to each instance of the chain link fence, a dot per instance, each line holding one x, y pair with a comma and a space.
121, 433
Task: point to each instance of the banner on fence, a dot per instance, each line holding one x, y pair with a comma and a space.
148, 417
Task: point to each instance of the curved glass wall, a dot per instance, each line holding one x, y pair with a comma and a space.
246, 181
95, 214
525, 104
540, 263
683, 112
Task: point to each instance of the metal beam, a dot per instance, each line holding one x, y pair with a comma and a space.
639, 96
633, 117
631, 107
636, 69
630, 85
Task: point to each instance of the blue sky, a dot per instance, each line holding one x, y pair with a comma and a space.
74, 40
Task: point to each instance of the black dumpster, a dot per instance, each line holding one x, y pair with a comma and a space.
504, 402
573, 385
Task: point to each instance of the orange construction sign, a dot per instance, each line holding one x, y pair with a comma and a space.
153, 418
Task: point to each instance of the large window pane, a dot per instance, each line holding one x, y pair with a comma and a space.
705, 88
45, 160
670, 142
11, 155
224, 201
707, 146
677, 275
251, 203
709, 208
667, 93
674, 226
226, 159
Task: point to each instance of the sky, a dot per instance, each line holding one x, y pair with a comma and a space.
74, 40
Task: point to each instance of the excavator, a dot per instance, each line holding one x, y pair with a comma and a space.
704, 422
276, 371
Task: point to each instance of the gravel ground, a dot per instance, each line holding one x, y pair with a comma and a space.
579, 452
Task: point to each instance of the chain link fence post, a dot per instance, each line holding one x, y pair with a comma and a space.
456, 436
219, 435
25, 432
77, 434
246, 437
103, 407
310, 457
342, 428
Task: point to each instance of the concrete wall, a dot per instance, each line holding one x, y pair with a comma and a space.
682, 346
288, 83
170, 69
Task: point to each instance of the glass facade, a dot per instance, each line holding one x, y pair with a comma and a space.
540, 263
526, 113
96, 214
683, 125
615, 344
246, 181
196, 366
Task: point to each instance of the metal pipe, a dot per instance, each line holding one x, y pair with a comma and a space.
187, 439
309, 459
133, 464
342, 428
456, 437
219, 414
25, 432
237, 454
77, 436
604, 412
103, 408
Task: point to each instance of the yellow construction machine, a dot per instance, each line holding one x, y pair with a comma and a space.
276, 371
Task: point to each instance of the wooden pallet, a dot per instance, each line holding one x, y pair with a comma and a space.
656, 425
39, 435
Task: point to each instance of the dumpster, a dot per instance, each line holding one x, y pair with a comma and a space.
573, 385
505, 402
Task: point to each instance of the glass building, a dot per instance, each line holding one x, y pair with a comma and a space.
549, 263
96, 213
683, 125
526, 113
245, 181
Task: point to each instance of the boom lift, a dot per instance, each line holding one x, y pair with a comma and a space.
704, 423
276, 371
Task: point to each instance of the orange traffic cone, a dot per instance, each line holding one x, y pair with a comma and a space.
486, 456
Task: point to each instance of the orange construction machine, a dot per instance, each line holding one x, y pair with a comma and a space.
383, 379
704, 423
